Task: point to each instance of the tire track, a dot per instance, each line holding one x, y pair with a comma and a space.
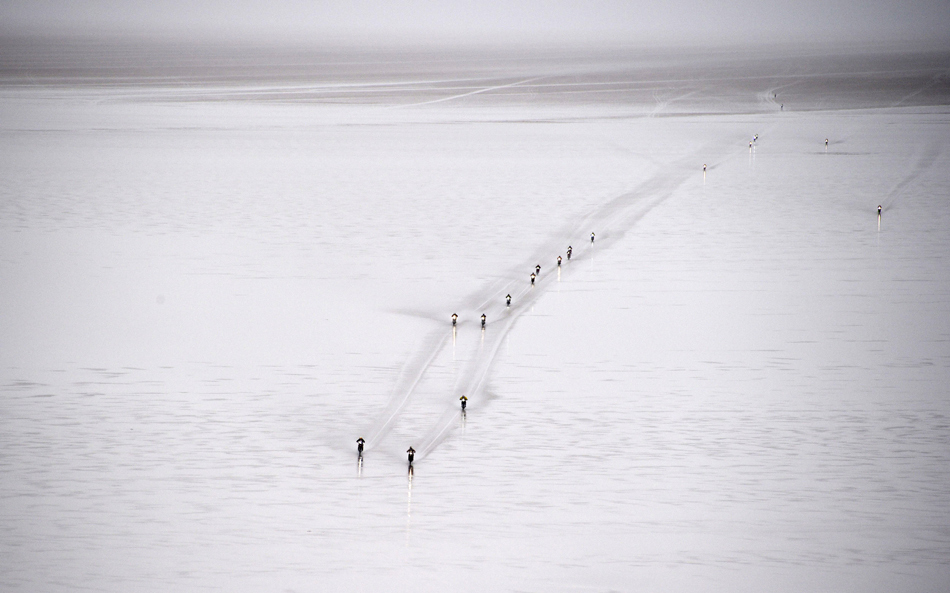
611, 221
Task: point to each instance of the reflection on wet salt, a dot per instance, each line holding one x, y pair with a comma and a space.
409, 506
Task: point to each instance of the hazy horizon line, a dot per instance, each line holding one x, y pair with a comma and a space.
369, 42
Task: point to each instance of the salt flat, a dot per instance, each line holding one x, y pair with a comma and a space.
216, 275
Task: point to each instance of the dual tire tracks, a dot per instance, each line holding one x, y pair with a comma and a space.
423, 408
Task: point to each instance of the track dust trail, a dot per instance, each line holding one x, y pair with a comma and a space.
925, 160
935, 80
662, 105
611, 221
479, 91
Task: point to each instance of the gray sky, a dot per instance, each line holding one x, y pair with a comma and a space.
637, 21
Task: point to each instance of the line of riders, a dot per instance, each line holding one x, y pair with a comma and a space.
360, 442
537, 272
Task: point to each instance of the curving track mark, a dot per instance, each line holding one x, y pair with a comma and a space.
767, 97
409, 378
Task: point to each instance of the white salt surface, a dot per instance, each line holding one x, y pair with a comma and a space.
742, 385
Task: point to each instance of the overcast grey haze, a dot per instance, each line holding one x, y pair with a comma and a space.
475, 296
677, 21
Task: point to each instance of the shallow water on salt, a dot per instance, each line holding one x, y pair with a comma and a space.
740, 385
